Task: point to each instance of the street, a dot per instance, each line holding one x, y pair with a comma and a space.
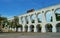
29, 35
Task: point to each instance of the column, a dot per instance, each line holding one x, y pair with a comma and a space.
29, 19
43, 17
36, 22
43, 28
35, 29
24, 20
54, 28
23, 28
29, 30
53, 16
36, 19
20, 22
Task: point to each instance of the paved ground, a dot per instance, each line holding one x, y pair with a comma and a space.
29, 35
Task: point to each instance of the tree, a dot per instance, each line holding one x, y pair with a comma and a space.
57, 17
16, 21
3, 22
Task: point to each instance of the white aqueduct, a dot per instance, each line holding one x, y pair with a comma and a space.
36, 25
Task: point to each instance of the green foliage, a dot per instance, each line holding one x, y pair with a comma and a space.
16, 22
57, 17
3, 21
49, 26
26, 26
16, 19
19, 25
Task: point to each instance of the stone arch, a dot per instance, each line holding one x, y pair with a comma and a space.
22, 19
32, 28
48, 16
20, 27
58, 27
57, 14
39, 16
32, 18
26, 28
48, 27
26, 19
38, 28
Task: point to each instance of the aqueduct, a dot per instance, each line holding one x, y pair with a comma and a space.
34, 24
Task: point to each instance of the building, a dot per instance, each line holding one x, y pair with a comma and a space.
43, 25
30, 11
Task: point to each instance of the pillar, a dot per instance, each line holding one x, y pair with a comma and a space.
53, 16
54, 28
24, 20
24, 23
20, 22
35, 29
29, 19
23, 28
29, 30
36, 19
43, 28
43, 17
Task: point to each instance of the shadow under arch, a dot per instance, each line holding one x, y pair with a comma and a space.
58, 27
20, 26
39, 17
32, 18
57, 14
26, 19
38, 28
26, 28
32, 28
48, 27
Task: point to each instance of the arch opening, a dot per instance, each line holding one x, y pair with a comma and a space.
22, 19
19, 28
26, 18
48, 27
57, 14
32, 19
39, 18
58, 27
26, 28
32, 28
48, 16
38, 28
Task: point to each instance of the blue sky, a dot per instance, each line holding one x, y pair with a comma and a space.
10, 8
